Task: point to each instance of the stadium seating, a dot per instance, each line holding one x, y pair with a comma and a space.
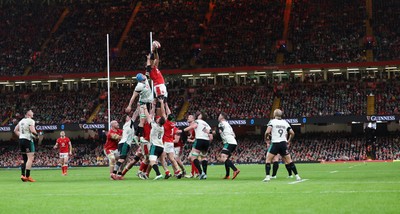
327, 31
237, 102
54, 107
385, 16
24, 29
319, 32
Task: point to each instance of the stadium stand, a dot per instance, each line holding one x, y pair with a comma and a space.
24, 30
320, 35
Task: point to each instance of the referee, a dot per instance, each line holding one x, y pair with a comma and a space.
278, 129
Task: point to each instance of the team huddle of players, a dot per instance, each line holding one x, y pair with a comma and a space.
159, 139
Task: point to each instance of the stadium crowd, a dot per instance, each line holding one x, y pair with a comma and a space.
312, 99
251, 149
51, 107
319, 32
327, 31
238, 102
387, 38
254, 27
324, 100
24, 29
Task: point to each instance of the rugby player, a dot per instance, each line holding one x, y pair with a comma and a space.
124, 145
191, 139
111, 146
168, 140
153, 60
26, 132
143, 91
178, 148
202, 143
65, 147
156, 134
279, 129
230, 144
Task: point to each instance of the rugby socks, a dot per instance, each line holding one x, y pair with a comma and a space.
194, 169
117, 166
293, 168
196, 163
226, 168
230, 164
204, 163
275, 167
155, 167
28, 173
288, 169
23, 165
267, 168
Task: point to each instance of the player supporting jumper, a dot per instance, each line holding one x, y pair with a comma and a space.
156, 134
143, 90
26, 132
230, 143
124, 144
65, 147
200, 147
168, 140
111, 146
279, 129
142, 154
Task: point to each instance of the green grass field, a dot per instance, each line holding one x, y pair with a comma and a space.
328, 188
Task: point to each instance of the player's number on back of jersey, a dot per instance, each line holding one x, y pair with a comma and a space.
159, 136
280, 131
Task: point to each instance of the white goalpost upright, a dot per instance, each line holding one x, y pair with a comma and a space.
108, 83
151, 44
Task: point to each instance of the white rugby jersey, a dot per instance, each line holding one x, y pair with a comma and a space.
156, 134
280, 129
202, 130
227, 134
144, 91
24, 131
128, 132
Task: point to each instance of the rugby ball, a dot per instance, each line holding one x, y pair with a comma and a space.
156, 44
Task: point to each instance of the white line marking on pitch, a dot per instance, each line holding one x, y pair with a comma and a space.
354, 166
333, 172
296, 182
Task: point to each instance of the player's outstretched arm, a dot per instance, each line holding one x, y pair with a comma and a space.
129, 108
135, 114
55, 145
191, 127
149, 117
162, 107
